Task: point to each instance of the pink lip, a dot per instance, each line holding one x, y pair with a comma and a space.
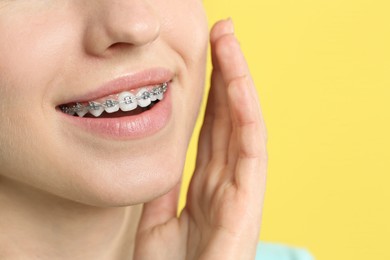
131, 81
128, 127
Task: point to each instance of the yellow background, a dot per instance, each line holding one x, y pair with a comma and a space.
322, 71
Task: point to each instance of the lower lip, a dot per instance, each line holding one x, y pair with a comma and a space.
128, 127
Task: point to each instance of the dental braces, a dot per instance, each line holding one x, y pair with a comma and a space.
92, 105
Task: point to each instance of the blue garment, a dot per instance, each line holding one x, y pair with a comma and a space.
271, 251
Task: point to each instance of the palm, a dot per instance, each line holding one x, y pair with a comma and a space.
221, 219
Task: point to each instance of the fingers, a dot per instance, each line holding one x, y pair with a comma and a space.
234, 128
233, 65
216, 128
204, 144
222, 126
222, 122
221, 28
160, 210
248, 144
246, 119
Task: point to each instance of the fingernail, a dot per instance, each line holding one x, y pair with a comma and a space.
230, 25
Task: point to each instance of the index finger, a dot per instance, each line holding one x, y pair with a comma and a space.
248, 122
233, 66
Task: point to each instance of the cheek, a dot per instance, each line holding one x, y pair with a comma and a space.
33, 52
29, 59
186, 31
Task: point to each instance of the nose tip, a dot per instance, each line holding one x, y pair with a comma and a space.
146, 32
127, 23
136, 26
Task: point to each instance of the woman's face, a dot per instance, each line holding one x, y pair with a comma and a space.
55, 53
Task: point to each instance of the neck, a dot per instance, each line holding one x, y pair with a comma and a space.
35, 223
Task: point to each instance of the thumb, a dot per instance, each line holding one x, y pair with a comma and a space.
160, 210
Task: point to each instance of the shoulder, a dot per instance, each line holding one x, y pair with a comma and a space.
273, 251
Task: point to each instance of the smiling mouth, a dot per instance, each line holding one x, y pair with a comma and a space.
126, 103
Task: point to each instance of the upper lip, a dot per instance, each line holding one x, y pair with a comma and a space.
129, 81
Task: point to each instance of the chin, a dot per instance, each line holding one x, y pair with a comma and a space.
123, 183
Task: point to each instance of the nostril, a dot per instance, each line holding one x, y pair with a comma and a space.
119, 45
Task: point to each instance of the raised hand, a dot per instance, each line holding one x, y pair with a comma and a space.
222, 217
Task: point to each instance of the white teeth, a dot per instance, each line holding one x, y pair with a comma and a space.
153, 97
127, 101
80, 110
111, 106
160, 95
143, 97
95, 108
153, 94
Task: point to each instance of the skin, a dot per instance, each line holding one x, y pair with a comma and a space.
57, 202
